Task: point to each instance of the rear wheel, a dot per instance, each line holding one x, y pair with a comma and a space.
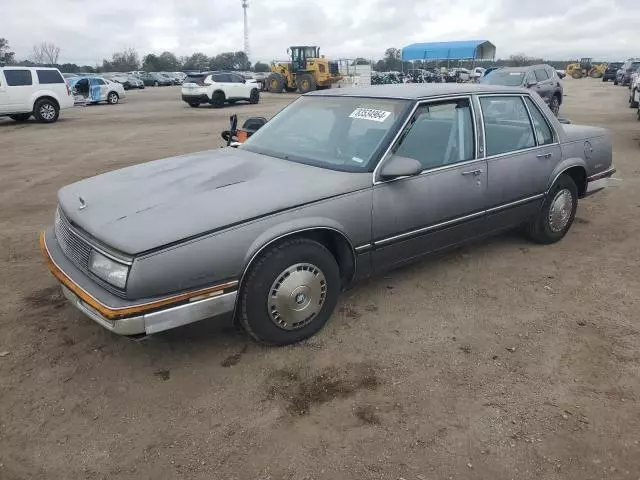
555, 217
217, 100
254, 97
275, 83
306, 83
113, 98
615, 81
290, 292
20, 117
46, 111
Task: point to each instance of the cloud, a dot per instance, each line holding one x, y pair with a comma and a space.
87, 32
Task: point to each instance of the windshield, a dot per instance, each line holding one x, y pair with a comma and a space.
504, 77
340, 133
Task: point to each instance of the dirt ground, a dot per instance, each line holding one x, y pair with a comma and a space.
505, 360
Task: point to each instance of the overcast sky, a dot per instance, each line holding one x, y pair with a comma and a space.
89, 30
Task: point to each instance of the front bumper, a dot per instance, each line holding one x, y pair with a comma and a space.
128, 317
600, 181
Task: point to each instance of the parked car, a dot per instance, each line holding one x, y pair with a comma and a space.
127, 81
623, 76
611, 70
154, 79
95, 89
340, 185
38, 91
218, 88
542, 79
634, 90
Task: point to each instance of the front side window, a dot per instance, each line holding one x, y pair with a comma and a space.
339, 133
541, 75
100, 81
543, 131
18, 78
440, 134
506, 124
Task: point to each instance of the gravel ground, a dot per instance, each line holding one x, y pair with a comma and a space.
504, 360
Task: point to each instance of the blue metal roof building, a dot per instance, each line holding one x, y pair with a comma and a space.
465, 50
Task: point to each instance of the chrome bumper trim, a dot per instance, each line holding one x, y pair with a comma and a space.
159, 320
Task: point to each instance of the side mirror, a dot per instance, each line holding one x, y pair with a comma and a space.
398, 166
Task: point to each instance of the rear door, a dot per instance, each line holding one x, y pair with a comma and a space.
4, 96
19, 89
522, 150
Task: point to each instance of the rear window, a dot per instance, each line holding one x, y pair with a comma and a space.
195, 78
221, 77
49, 76
17, 78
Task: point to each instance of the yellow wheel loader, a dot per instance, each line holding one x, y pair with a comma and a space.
307, 71
586, 68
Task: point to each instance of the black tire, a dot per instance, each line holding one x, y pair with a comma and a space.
632, 102
20, 117
194, 104
276, 264
604, 79
638, 114
554, 105
275, 83
46, 111
218, 99
156, 84
254, 97
615, 81
306, 83
540, 229
113, 98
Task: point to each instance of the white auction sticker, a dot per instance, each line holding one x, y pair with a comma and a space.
370, 114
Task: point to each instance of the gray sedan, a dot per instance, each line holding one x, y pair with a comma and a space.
340, 185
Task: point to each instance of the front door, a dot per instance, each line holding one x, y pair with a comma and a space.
544, 87
442, 206
95, 90
522, 151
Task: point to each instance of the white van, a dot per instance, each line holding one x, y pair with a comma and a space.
38, 91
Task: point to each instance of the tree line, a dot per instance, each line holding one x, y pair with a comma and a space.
48, 54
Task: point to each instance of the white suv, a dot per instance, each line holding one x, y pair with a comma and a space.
218, 88
41, 92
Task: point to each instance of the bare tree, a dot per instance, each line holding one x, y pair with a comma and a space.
45, 53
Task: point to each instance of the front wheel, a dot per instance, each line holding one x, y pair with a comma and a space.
290, 292
555, 217
113, 98
254, 97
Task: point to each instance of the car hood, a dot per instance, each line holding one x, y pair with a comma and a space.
153, 204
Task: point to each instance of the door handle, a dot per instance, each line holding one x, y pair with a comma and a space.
475, 173
544, 155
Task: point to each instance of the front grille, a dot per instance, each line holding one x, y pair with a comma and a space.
73, 246
77, 249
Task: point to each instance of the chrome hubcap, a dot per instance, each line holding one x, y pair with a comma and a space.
297, 296
47, 111
112, 98
560, 211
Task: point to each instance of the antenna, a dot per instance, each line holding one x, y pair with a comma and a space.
245, 6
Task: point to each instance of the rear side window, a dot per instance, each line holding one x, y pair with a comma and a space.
17, 78
49, 76
507, 126
541, 75
221, 77
543, 131
236, 78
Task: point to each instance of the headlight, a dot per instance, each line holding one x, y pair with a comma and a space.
108, 270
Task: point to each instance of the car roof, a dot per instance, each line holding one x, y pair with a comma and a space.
416, 91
